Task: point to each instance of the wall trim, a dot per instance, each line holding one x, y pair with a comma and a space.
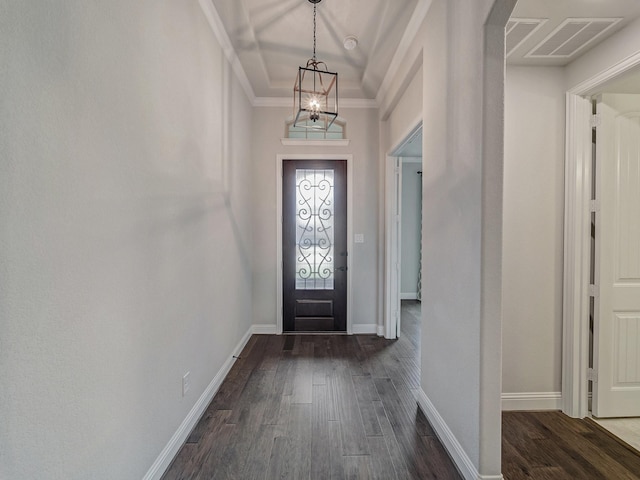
172, 448
398, 60
282, 102
532, 401
392, 243
460, 458
577, 232
264, 329
409, 296
586, 87
217, 26
303, 142
364, 329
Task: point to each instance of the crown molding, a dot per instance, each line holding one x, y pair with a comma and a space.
277, 102
215, 22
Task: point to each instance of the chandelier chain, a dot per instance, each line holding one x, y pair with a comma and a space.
314, 32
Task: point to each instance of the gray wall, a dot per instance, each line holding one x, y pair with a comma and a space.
533, 226
534, 215
125, 235
462, 106
411, 227
362, 129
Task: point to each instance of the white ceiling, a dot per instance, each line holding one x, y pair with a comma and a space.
273, 37
555, 13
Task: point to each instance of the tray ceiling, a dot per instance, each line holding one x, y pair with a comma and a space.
271, 38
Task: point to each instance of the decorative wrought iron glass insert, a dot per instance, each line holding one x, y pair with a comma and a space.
314, 229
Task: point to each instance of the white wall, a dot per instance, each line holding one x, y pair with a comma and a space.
462, 46
533, 230
362, 130
408, 112
411, 227
125, 242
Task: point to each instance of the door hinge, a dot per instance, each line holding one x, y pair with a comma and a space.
594, 291
592, 375
595, 120
594, 206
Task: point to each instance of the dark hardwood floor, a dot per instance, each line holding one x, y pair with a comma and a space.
551, 445
342, 407
317, 407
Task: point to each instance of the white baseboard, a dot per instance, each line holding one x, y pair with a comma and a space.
359, 329
264, 329
532, 401
177, 440
409, 296
460, 458
365, 329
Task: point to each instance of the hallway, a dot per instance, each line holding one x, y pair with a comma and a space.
317, 406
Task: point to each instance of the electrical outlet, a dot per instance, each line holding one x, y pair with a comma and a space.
186, 383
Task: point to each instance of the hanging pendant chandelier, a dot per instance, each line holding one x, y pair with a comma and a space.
315, 93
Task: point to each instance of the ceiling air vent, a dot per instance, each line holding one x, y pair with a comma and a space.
519, 30
571, 36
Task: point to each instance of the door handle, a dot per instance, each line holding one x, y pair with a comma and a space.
341, 269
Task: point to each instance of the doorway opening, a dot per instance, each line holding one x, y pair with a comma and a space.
315, 313
314, 245
602, 332
404, 238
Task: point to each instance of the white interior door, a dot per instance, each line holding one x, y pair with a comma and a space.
616, 390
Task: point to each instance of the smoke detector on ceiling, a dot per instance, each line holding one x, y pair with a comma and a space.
350, 42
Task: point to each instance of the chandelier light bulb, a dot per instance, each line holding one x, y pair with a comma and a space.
314, 106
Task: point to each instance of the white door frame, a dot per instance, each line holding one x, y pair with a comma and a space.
393, 245
393, 189
577, 233
300, 156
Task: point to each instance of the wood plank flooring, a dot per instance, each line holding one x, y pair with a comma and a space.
551, 445
338, 407
317, 407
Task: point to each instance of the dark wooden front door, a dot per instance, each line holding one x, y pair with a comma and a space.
314, 245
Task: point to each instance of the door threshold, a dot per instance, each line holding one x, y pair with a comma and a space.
314, 333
